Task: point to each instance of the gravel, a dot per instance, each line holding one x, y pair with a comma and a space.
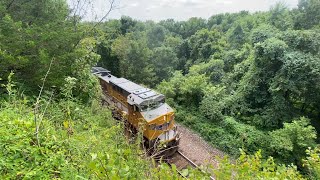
196, 149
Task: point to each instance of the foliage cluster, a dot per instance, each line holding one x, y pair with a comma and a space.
253, 167
38, 35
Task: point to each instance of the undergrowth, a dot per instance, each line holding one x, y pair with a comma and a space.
66, 139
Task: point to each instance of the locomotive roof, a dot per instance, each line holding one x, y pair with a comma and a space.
100, 69
154, 113
138, 94
107, 78
145, 98
104, 75
126, 84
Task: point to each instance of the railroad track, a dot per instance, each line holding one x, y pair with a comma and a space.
182, 162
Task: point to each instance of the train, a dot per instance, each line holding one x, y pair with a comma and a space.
142, 109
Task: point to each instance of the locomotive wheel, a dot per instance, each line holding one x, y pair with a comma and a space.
116, 115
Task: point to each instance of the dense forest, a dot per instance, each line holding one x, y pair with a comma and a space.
248, 83
242, 80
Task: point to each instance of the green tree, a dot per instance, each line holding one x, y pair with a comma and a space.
213, 70
134, 57
212, 104
237, 37
262, 33
252, 95
308, 14
186, 90
110, 31
127, 24
289, 143
191, 26
205, 43
172, 26
280, 17
164, 61
297, 81
34, 33
156, 36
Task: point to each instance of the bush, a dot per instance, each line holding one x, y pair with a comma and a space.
312, 163
289, 143
254, 167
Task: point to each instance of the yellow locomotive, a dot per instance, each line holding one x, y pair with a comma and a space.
140, 108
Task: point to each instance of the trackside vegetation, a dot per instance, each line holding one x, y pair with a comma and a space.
84, 142
73, 141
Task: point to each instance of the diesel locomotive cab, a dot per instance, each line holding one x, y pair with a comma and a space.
158, 115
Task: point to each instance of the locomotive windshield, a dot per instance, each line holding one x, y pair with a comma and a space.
150, 105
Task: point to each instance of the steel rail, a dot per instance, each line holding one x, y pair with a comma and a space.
191, 163
179, 172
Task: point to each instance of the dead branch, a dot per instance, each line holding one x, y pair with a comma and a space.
36, 106
106, 15
111, 8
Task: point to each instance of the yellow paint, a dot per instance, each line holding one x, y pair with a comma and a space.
135, 118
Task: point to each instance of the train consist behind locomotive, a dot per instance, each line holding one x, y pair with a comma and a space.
140, 108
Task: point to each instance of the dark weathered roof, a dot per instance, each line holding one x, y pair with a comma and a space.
100, 70
130, 86
148, 94
107, 78
117, 81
